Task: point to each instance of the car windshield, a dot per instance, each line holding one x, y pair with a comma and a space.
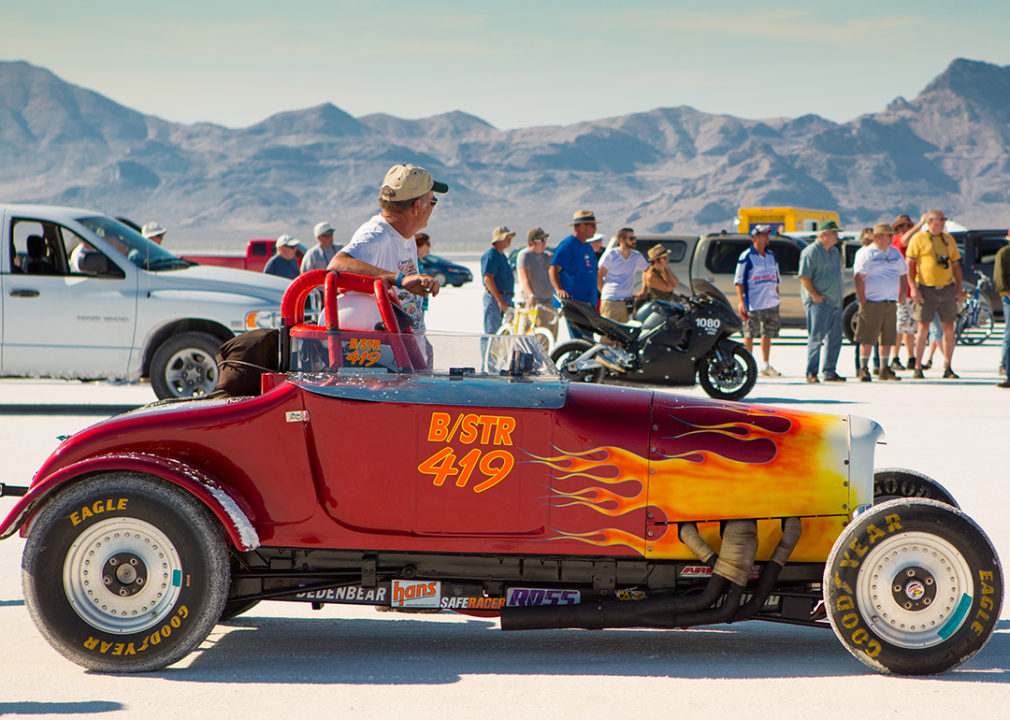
139, 250
447, 354
435, 259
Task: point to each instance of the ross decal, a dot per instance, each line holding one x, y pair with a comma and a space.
526, 597
416, 593
96, 508
351, 595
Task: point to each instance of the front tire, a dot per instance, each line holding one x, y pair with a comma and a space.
568, 352
125, 573
731, 379
441, 279
185, 366
913, 587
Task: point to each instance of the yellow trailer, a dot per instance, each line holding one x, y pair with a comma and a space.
784, 219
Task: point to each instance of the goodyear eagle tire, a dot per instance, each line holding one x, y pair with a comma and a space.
895, 483
913, 587
125, 573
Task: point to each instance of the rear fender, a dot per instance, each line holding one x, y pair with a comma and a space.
232, 512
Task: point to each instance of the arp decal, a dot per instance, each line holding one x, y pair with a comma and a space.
416, 593
526, 597
470, 428
353, 595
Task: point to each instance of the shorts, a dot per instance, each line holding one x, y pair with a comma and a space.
906, 322
616, 310
877, 321
940, 301
762, 323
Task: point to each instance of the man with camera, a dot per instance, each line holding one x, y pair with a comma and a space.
934, 284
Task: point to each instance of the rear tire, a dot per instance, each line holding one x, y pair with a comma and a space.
731, 380
913, 587
897, 483
125, 573
570, 351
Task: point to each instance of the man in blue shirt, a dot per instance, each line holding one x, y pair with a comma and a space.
499, 283
284, 264
574, 269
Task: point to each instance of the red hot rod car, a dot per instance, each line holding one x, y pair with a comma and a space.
461, 472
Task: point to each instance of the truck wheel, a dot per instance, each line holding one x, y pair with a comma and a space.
184, 366
913, 587
849, 313
568, 352
731, 379
895, 483
125, 573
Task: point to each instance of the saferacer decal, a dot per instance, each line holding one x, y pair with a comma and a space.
473, 603
416, 593
524, 597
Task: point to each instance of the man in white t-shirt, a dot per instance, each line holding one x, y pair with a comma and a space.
384, 247
616, 277
880, 273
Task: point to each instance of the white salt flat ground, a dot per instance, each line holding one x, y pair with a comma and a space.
285, 659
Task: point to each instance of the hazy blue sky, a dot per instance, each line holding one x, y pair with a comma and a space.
514, 64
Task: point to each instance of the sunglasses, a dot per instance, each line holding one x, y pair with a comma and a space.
434, 202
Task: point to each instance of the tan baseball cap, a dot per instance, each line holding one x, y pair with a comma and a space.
882, 229
583, 217
409, 181
501, 233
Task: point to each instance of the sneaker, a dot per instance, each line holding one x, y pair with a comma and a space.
917, 374
896, 364
864, 375
812, 379
887, 374
833, 377
949, 374
927, 364
1004, 384
770, 372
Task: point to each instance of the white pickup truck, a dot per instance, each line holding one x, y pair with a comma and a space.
84, 296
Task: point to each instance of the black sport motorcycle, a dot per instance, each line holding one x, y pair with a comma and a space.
666, 343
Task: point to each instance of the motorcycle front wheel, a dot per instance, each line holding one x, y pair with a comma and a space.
566, 354
732, 377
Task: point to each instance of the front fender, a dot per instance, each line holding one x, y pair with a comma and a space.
231, 512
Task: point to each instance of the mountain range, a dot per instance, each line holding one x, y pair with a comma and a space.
670, 170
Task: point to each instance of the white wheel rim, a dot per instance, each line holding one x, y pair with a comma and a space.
191, 372
901, 561
129, 606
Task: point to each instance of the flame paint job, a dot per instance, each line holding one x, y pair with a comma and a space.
610, 473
